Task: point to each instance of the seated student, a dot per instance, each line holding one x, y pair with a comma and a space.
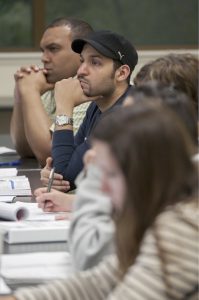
152, 187
181, 103
34, 105
107, 61
177, 70
92, 230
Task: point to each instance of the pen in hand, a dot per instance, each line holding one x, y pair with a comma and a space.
51, 178
50, 182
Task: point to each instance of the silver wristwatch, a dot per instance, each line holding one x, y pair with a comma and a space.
62, 120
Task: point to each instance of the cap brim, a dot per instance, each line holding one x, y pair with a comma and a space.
78, 45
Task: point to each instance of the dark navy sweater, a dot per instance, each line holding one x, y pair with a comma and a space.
68, 150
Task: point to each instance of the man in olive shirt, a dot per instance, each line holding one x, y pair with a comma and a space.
34, 104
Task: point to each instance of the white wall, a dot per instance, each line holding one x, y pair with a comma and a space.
10, 62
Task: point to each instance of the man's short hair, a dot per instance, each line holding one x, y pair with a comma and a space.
79, 28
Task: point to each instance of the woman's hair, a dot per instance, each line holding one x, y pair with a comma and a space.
177, 70
154, 152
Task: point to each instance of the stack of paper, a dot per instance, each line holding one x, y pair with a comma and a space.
31, 232
7, 172
7, 199
36, 267
38, 226
4, 289
13, 185
18, 186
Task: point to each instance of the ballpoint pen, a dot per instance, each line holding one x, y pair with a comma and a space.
51, 178
50, 182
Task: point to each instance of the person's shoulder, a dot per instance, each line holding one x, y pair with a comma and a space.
92, 105
92, 109
179, 214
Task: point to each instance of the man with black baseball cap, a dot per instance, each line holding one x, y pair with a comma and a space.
111, 45
107, 61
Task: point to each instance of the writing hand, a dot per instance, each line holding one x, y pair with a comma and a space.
64, 216
54, 201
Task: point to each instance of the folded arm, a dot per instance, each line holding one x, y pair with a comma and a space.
32, 137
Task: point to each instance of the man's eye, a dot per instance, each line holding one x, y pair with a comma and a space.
53, 49
95, 62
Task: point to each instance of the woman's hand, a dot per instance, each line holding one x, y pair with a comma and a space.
54, 201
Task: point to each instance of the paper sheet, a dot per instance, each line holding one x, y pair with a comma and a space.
36, 267
13, 211
37, 226
18, 186
4, 289
7, 199
6, 150
24, 211
4, 172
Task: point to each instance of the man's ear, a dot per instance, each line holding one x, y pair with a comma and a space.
122, 73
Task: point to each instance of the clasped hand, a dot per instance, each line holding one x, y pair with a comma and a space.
32, 78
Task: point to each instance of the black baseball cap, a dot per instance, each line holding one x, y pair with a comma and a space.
109, 44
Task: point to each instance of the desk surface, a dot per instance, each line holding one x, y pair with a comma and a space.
33, 176
29, 163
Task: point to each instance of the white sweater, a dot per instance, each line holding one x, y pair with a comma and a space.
91, 234
177, 232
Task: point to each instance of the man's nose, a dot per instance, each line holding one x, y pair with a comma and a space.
44, 57
83, 70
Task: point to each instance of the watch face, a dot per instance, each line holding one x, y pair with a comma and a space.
63, 120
